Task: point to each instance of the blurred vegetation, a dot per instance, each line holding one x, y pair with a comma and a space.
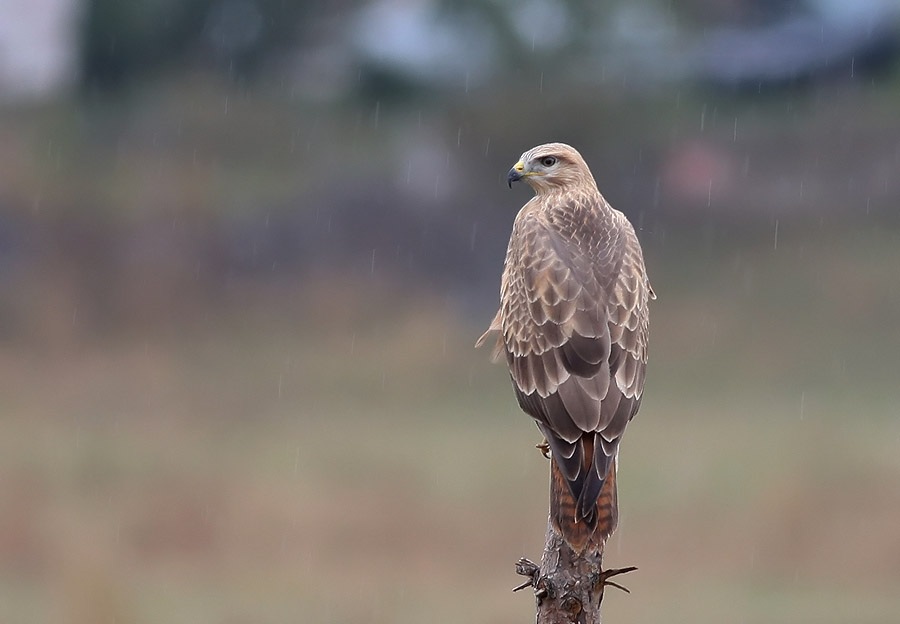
127, 43
237, 315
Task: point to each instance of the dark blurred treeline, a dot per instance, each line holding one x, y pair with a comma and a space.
125, 43
219, 152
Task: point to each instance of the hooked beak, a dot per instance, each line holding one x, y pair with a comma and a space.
516, 173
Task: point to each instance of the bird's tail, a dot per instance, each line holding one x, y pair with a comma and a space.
583, 533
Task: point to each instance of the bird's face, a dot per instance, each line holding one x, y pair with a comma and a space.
550, 166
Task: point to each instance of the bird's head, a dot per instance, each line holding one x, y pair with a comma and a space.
549, 167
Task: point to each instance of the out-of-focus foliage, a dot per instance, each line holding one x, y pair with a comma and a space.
341, 155
395, 50
238, 295
126, 42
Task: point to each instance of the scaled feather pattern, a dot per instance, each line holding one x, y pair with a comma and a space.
573, 321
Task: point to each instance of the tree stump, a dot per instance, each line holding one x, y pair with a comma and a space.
568, 587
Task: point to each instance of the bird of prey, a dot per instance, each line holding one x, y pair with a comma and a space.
573, 325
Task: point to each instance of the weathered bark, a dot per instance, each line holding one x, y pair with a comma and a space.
568, 587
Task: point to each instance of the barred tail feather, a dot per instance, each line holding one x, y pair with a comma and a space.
607, 513
582, 533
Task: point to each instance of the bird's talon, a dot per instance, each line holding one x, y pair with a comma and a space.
544, 448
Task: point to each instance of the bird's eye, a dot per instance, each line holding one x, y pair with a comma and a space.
548, 161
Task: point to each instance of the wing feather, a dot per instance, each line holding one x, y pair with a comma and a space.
573, 322
574, 287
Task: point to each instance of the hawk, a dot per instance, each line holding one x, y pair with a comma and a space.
573, 325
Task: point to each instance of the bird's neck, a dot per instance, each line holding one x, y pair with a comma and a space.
586, 194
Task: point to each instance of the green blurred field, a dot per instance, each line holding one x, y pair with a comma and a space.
338, 461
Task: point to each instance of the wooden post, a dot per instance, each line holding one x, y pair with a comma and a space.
568, 587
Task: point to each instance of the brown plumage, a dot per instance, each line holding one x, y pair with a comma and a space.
573, 324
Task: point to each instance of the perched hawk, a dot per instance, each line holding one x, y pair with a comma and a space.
573, 324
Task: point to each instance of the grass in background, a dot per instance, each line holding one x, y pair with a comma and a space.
338, 460
334, 450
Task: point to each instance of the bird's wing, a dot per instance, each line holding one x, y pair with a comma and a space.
629, 326
573, 317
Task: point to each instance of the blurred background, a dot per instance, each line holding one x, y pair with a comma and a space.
246, 247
